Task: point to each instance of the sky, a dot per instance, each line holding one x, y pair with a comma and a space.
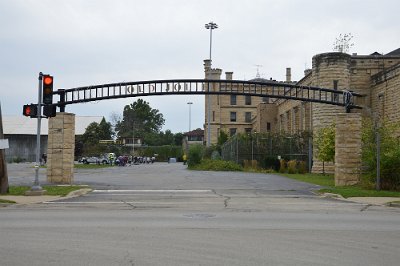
92, 42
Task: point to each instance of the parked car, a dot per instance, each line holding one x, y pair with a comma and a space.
88, 160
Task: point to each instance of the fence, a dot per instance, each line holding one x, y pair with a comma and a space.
267, 148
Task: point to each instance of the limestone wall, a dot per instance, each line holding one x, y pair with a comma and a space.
348, 149
60, 150
385, 96
328, 69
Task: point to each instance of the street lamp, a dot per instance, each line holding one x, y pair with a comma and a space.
209, 26
190, 114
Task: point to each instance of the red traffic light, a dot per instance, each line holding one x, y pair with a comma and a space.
47, 80
47, 89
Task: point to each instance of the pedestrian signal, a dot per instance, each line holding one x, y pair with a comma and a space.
30, 110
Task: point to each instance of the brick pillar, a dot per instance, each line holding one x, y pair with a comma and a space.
61, 147
348, 149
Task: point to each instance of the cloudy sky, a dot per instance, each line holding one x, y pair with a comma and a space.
88, 42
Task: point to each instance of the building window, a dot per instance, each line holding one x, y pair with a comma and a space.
213, 116
248, 130
265, 99
335, 87
233, 99
232, 132
233, 116
247, 100
247, 117
268, 126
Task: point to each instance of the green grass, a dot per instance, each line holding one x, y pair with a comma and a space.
51, 190
345, 191
91, 166
317, 179
7, 201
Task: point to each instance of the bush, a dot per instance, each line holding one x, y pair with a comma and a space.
282, 167
217, 165
389, 155
270, 162
302, 167
195, 155
291, 165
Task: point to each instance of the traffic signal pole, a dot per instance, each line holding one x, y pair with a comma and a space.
36, 189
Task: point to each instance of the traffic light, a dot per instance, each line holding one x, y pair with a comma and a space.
47, 89
30, 110
49, 110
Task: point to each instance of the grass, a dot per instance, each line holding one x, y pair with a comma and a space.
51, 190
317, 179
91, 166
345, 191
6, 201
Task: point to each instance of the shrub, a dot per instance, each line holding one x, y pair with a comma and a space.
195, 155
291, 165
217, 165
389, 155
302, 167
282, 167
270, 162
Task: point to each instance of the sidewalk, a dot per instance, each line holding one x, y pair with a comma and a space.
379, 201
386, 201
43, 198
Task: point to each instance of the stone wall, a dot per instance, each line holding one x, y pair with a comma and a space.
385, 96
348, 149
328, 69
60, 150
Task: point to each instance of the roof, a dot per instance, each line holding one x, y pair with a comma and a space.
196, 132
22, 125
394, 52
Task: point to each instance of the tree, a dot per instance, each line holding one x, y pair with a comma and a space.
139, 119
325, 145
389, 153
178, 137
222, 138
92, 136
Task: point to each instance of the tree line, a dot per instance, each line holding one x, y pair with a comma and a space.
138, 120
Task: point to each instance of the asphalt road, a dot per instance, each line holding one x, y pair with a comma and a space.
163, 214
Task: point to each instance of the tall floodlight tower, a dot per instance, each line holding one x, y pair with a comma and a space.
210, 26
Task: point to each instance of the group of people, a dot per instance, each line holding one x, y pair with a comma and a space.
124, 160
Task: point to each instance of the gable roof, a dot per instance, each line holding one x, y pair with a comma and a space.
22, 125
394, 52
196, 132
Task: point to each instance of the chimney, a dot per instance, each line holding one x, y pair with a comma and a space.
228, 75
288, 74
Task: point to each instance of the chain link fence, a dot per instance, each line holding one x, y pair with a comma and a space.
268, 148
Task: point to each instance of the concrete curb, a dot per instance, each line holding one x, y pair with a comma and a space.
378, 201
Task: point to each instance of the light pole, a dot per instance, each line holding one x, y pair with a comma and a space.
210, 26
190, 114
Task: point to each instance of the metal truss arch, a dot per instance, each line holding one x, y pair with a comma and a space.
270, 89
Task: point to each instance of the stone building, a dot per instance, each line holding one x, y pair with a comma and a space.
376, 76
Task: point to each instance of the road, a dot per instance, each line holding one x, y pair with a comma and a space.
163, 214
